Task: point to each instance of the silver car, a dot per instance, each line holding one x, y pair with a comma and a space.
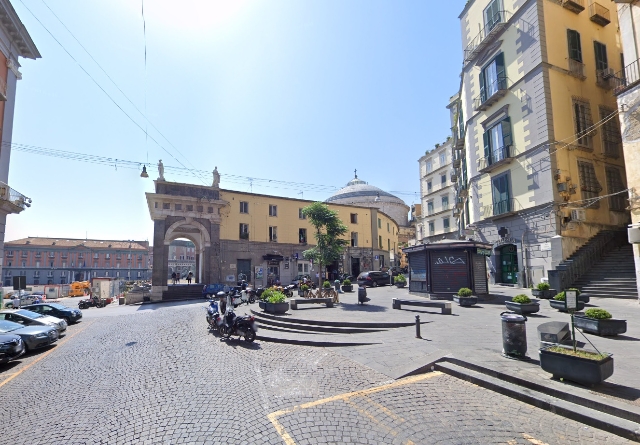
33, 337
29, 318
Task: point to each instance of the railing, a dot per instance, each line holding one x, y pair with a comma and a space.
495, 24
576, 6
627, 78
576, 69
580, 262
599, 14
14, 197
244, 235
503, 207
490, 94
604, 78
496, 157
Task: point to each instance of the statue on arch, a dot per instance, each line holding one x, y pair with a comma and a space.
160, 170
216, 178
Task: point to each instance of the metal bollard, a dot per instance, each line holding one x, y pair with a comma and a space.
418, 327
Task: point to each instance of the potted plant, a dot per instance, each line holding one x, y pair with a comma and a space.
400, 280
577, 365
326, 285
599, 322
347, 286
543, 290
558, 302
274, 302
465, 297
523, 305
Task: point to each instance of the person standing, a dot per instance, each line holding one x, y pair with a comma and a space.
173, 278
189, 277
15, 302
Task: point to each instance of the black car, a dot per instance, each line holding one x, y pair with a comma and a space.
56, 310
373, 279
11, 347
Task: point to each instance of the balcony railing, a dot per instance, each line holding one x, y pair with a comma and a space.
458, 137
576, 69
501, 208
457, 159
15, 201
576, 6
496, 158
599, 14
490, 94
605, 79
627, 78
495, 25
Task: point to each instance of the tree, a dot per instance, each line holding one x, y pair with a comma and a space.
329, 229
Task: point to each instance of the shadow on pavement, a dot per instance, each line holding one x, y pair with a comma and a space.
367, 307
623, 338
616, 390
159, 305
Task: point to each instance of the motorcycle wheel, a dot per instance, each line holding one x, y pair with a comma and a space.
250, 336
252, 299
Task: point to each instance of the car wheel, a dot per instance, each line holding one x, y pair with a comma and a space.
375, 284
251, 335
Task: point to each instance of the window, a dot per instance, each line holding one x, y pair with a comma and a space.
354, 239
379, 223
354, 218
244, 207
446, 224
302, 236
209, 209
429, 167
95, 256
301, 214
189, 207
139, 257
443, 158
166, 206
445, 203
583, 123
501, 196
429, 187
379, 241
199, 209
117, 265
38, 254
24, 253
611, 138
443, 180
50, 264
497, 142
617, 202
430, 208
24, 264
128, 256
107, 256
95, 265
52, 254
118, 256
64, 264
106, 274
432, 227
9, 252
36, 273
493, 78
139, 274
492, 15
589, 184
388, 227
117, 274
601, 56
273, 233
388, 244
575, 48
244, 231
273, 210
178, 206
79, 256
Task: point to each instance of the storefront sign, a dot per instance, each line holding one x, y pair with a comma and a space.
503, 241
230, 278
485, 252
259, 273
545, 246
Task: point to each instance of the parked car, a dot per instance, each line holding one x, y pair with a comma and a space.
11, 347
373, 279
24, 300
296, 281
33, 337
57, 310
30, 318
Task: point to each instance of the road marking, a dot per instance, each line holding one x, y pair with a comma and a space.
369, 416
66, 339
533, 440
288, 440
384, 409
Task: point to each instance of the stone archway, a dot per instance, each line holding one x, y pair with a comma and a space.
185, 211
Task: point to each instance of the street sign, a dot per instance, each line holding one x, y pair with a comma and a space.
485, 252
571, 300
377, 257
19, 283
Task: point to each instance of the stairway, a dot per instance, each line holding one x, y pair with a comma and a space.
179, 292
613, 276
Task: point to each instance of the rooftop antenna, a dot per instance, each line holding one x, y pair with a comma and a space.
301, 195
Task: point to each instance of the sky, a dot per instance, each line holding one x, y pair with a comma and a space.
296, 92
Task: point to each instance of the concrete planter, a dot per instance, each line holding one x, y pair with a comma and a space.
401, 284
584, 298
538, 293
605, 327
577, 369
465, 301
347, 287
274, 308
523, 308
560, 305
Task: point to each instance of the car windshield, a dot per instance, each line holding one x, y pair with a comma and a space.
28, 314
58, 306
8, 326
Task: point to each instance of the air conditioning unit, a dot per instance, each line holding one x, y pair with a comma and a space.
562, 187
578, 215
634, 234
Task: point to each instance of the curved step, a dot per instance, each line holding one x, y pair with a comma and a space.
342, 324
313, 328
320, 344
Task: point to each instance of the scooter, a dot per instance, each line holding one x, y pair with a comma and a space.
242, 326
94, 301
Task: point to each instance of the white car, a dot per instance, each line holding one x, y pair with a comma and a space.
29, 318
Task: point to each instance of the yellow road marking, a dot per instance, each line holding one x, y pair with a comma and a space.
273, 417
533, 440
66, 339
384, 409
368, 415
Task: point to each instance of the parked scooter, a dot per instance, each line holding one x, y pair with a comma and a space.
94, 301
242, 326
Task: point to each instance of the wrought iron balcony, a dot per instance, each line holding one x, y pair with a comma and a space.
493, 28
458, 137
496, 158
599, 14
491, 94
457, 159
576, 69
12, 201
626, 79
501, 209
454, 174
576, 6
605, 78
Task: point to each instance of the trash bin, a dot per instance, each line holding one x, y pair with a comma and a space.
362, 295
514, 335
121, 300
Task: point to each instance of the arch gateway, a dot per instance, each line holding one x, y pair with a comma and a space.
185, 211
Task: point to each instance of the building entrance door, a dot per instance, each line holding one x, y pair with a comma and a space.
273, 275
244, 270
355, 267
509, 263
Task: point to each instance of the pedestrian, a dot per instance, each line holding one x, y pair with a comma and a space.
37, 300
189, 277
173, 278
15, 302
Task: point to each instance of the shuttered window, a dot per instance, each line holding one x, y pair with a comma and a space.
589, 184
617, 202
611, 137
583, 123
601, 56
575, 48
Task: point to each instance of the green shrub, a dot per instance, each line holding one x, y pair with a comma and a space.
543, 286
304, 288
266, 294
326, 285
560, 296
347, 282
597, 313
399, 279
465, 292
522, 299
276, 297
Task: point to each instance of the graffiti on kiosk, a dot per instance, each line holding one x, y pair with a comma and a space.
449, 260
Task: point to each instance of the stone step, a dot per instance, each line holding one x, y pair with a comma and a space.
322, 340
340, 324
301, 325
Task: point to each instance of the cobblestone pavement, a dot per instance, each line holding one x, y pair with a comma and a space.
159, 377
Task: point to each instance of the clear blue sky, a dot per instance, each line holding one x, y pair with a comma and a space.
301, 91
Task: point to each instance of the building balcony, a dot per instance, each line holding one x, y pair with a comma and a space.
486, 35
501, 209
458, 137
599, 14
12, 201
576, 6
490, 95
499, 156
605, 79
457, 159
626, 79
455, 174
576, 69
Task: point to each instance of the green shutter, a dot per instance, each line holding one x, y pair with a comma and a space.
507, 139
601, 56
500, 71
483, 88
487, 145
575, 48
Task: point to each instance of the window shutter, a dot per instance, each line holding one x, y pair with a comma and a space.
483, 88
507, 140
500, 71
487, 144
575, 49
601, 56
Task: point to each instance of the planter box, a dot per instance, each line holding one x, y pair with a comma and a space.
584, 298
523, 309
538, 293
274, 308
465, 301
548, 294
610, 326
399, 285
576, 369
560, 305
347, 287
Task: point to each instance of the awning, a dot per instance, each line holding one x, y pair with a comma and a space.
272, 257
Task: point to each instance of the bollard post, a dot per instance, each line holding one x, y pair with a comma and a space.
418, 326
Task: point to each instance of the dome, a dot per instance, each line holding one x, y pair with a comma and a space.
359, 192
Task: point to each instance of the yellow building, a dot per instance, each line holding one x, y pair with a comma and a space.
537, 132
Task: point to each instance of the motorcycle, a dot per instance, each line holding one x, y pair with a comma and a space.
91, 302
242, 326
